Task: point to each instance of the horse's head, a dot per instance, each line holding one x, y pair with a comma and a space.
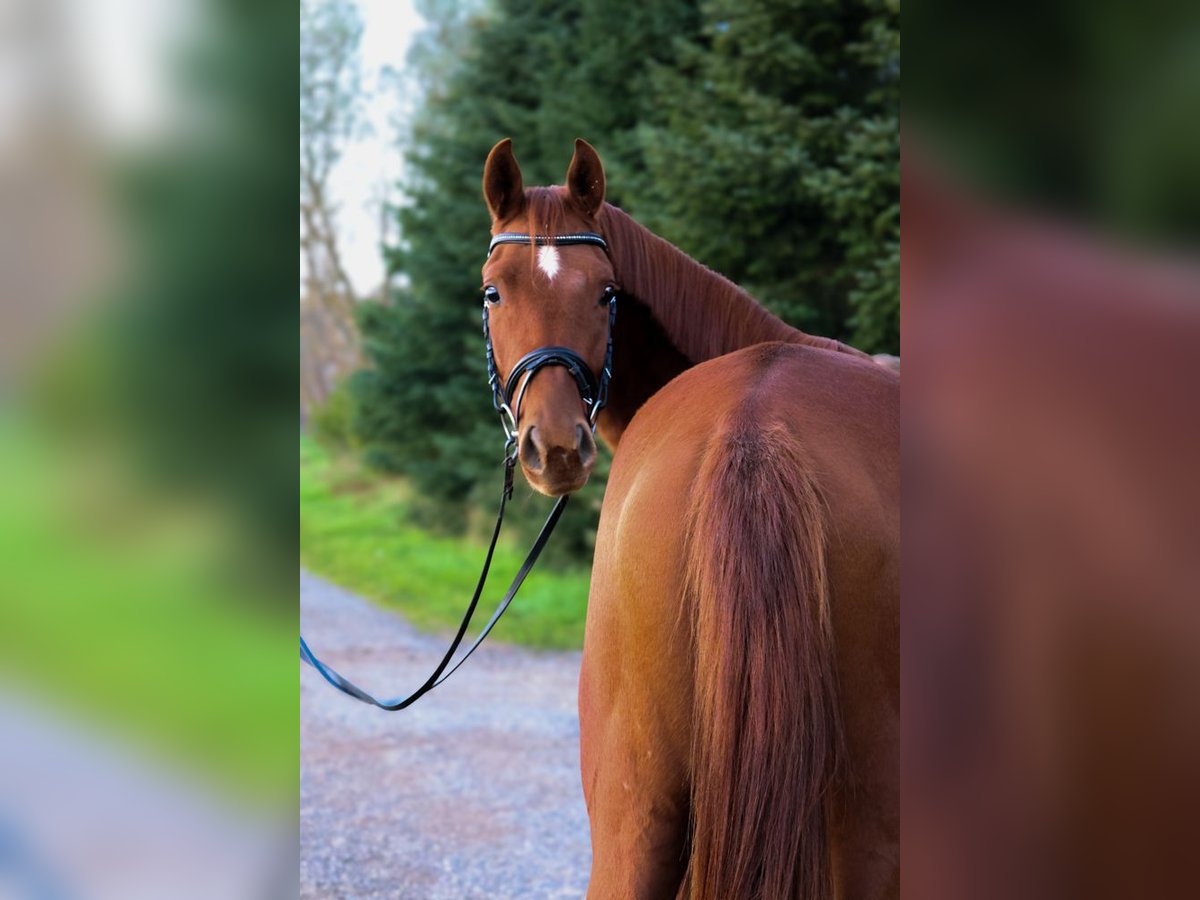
555, 298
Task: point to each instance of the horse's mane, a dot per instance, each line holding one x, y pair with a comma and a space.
702, 313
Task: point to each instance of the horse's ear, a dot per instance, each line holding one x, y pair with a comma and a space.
585, 178
502, 186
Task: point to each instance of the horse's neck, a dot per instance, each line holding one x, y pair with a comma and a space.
644, 360
675, 313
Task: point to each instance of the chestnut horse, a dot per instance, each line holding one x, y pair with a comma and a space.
739, 696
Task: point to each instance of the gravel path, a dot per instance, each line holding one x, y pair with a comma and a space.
473, 792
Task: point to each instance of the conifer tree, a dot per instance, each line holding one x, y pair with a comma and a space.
775, 159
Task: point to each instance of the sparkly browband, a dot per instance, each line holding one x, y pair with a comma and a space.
515, 237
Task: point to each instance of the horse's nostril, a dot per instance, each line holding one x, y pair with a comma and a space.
585, 445
531, 455
552, 457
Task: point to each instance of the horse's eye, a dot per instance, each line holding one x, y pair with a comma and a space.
610, 291
491, 295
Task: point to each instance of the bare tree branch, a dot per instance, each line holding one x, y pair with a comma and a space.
331, 115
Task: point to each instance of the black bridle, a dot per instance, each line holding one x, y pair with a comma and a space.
506, 397
593, 390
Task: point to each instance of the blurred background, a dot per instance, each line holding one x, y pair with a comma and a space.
147, 449
1051, 323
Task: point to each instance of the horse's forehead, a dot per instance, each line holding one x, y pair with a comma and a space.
558, 275
555, 270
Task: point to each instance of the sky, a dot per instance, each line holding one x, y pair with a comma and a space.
373, 164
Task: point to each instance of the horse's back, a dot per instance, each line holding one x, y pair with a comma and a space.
845, 412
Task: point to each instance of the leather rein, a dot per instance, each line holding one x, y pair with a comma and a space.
506, 398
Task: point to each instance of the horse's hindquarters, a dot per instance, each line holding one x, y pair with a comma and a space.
635, 696
638, 703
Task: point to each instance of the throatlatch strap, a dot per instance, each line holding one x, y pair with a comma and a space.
348, 687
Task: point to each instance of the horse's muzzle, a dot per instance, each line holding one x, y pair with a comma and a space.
557, 462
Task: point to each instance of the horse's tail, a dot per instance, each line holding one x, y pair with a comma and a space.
766, 716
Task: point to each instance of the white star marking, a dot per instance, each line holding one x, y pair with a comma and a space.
548, 260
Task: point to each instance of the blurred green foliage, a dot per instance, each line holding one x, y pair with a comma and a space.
200, 333
109, 612
148, 526
761, 137
356, 529
1092, 112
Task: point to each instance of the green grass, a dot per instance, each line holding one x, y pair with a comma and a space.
114, 608
355, 530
